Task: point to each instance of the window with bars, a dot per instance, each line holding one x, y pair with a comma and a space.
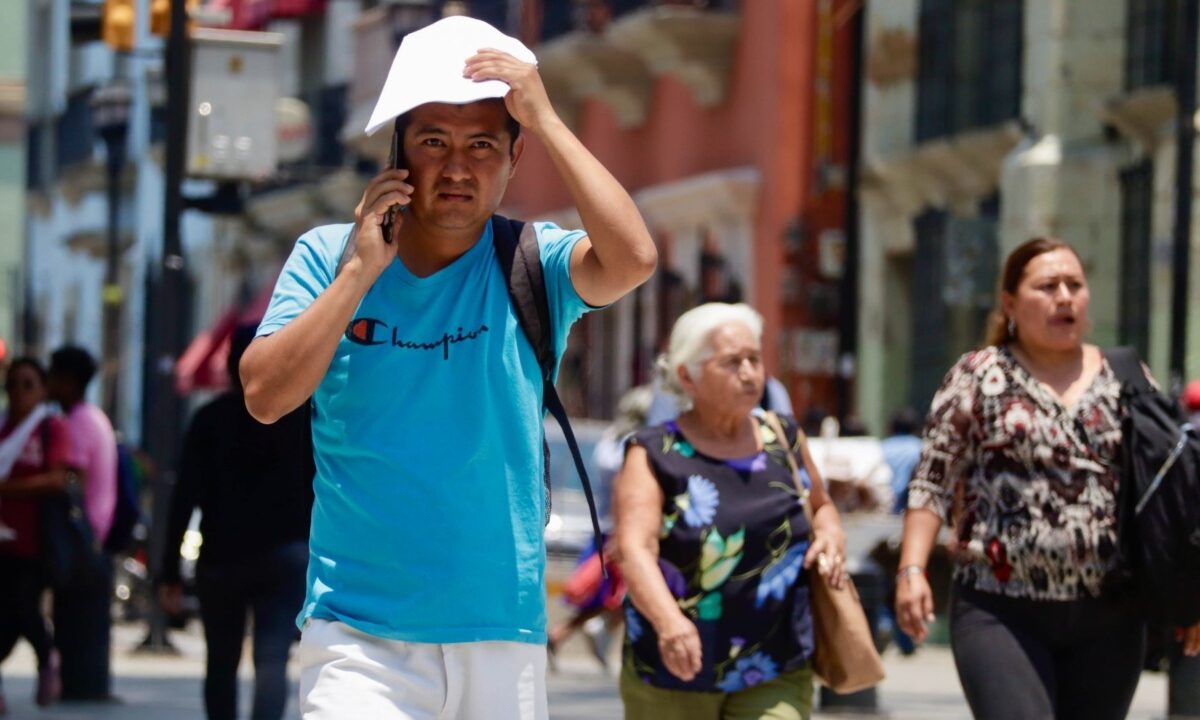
1137, 197
969, 65
1151, 42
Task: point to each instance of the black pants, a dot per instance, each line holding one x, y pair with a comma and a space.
1183, 697
1032, 660
271, 586
83, 634
21, 607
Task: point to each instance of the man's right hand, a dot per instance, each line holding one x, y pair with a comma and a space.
386, 189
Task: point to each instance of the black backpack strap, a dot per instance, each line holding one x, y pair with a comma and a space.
1127, 366
521, 263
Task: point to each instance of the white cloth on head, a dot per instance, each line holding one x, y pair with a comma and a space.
429, 65
11, 446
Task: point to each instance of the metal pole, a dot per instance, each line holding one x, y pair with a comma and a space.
848, 305
1185, 93
167, 341
110, 112
112, 294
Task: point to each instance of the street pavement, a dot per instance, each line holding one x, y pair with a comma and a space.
155, 687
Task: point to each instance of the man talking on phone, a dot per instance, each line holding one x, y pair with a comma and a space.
426, 575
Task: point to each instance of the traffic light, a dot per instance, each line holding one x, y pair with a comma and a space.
117, 25
160, 16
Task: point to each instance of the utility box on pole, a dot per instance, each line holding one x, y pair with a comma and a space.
232, 127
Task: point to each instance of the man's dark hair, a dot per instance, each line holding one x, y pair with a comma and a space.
74, 363
511, 124
906, 421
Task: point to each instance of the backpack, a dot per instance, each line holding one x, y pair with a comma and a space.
128, 512
521, 264
1158, 500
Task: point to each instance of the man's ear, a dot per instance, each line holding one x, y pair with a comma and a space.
518, 147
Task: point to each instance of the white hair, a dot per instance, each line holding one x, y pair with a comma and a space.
691, 341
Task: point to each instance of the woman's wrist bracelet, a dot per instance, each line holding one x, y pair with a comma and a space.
908, 570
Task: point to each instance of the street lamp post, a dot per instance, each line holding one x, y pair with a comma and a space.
110, 115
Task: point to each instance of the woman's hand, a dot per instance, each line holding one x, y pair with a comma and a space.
679, 647
914, 605
1190, 637
828, 551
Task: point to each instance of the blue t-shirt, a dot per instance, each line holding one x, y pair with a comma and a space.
427, 430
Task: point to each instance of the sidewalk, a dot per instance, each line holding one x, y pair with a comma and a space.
921, 687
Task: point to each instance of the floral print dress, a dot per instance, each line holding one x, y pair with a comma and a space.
731, 550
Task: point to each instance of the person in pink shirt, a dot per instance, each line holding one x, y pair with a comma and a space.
82, 619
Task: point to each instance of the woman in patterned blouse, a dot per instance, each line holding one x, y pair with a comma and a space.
713, 540
1023, 444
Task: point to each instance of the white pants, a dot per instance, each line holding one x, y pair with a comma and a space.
349, 675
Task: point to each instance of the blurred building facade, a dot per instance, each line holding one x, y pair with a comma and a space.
14, 67
728, 123
986, 123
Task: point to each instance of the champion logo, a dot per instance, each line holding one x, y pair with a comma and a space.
370, 331
362, 331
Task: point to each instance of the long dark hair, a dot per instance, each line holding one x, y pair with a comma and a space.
1010, 280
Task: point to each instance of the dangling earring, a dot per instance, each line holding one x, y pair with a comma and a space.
1012, 328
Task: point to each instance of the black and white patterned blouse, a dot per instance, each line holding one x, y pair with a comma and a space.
1034, 483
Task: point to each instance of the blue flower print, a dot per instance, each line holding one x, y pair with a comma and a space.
748, 672
699, 503
780, 575
633, 624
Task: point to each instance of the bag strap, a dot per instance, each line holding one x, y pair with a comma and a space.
802, 441
521, 264
1127, 366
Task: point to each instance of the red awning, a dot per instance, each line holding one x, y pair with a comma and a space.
202, 364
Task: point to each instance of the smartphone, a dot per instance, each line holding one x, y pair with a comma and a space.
395, 161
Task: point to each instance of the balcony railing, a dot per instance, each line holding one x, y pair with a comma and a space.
969, 67
1151, 43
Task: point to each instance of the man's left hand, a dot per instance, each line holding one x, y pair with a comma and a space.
527, 100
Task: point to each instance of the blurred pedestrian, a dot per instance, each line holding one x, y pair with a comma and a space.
1028, 430
33, 464
426, 578
253, 486
713, 542
82, 609
902, 451
598, 605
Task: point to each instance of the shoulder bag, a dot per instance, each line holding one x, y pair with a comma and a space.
845, 658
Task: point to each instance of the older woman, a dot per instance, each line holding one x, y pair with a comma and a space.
712, 540
1023, 440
